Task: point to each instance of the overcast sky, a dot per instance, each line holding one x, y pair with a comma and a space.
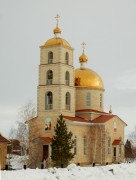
108, 27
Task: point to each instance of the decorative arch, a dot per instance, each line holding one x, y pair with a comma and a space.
68, 99
49, 100
67, 78
49, 77
67, 58
50, 57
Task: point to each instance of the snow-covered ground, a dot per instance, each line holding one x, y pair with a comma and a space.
72, 172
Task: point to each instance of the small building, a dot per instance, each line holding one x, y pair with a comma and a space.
14, 147
3, 151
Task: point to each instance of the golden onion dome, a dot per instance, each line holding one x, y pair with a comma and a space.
57, 30
88, 78
57, 41
83, 57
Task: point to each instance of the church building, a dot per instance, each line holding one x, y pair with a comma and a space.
77, 94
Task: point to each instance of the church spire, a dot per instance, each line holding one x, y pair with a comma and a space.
57, 30
83, 58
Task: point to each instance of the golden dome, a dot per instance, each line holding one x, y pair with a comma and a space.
57, 30
88, 78
57, 41
83, 57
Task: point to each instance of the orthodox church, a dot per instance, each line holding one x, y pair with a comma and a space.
77, 94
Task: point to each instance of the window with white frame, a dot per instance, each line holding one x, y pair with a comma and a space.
100, 100
67, 78
85, 145
109, 145
75, 145
67, 101
88, 99
119, 149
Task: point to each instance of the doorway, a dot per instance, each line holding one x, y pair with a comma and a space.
45, 152
114, 153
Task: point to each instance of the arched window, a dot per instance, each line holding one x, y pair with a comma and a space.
49, 77
50, 57
88, 99
67, 58
67, 101
67, 78
100, 100
49, 100
75, 145
85, 145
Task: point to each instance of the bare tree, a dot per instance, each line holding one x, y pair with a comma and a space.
132, 138
21, 133
26, 113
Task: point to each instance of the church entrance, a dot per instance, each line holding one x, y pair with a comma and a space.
114, 153
45, 152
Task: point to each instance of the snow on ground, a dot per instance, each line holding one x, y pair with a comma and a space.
124, 171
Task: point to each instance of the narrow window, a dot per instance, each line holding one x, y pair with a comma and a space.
67, 101
50, 57
88, 99
67, 78
109, 145
85, 145
75, 145
67, 58
49, 100
49, 77
100, 100
115, 126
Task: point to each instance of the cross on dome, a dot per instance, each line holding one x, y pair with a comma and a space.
83, 45
57, 30
57, 18
83, 58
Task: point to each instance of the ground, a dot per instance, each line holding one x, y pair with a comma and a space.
123, 171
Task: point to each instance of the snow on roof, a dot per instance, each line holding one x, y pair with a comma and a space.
79, 119
3, 139
45, 139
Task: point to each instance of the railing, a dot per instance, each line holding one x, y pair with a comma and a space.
49, 81
50, 61
49, 106
67, 82
67, 107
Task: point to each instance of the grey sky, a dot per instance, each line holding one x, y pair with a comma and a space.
108, 27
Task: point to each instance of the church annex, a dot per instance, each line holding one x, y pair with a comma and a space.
77, 94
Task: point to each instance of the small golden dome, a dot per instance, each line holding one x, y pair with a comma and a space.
57, 30
88, 78
57, 41
83, 57
110, 111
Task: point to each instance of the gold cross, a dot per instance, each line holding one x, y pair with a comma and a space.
83, 45
57, 18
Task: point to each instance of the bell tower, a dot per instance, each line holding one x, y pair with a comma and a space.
56, 92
